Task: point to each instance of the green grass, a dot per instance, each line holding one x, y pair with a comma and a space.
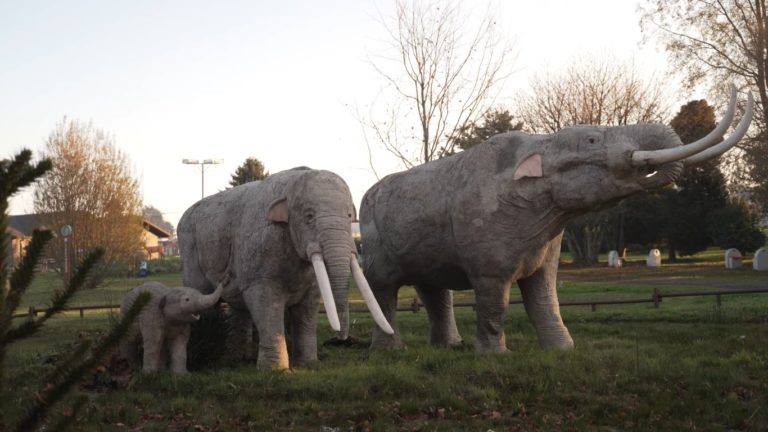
110, 292
688, 365
626, 374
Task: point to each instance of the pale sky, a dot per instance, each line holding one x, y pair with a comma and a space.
273, 80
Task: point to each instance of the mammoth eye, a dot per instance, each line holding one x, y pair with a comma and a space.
349, 215
186, 299
591, 140
309, 217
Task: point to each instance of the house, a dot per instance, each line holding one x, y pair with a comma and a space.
21, 227
152, 238
170, 246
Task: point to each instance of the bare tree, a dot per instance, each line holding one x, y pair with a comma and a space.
90, 188
443, 74
718, 42
591, 91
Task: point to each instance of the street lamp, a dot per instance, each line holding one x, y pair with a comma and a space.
66, 231
202, 164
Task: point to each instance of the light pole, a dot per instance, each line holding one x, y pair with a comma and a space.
202, 164
66, 231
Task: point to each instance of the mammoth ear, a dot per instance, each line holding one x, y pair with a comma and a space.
161, 304
530, 167
354, 213
278, 211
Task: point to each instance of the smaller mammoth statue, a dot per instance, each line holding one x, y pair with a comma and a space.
164, 324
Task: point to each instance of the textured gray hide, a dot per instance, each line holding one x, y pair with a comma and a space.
494, 215
229, 235
163, 325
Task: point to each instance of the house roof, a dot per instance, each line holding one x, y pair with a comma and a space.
24, 224
156, 230
14, 232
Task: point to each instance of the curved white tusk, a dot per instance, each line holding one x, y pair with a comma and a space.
662, 156
325, 290
732, 140
368, 297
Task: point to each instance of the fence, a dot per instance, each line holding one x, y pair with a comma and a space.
415, 306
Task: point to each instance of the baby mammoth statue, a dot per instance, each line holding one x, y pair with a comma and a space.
164, 324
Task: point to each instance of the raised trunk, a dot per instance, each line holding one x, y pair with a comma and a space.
206, 301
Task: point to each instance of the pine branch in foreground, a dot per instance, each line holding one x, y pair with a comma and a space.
70, 376
58, 302
25, 272
14, 175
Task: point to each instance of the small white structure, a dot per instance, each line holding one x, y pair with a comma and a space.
654, 258
613, 259
760, 260
732, 259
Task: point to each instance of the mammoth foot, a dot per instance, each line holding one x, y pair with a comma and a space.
491, 348
556, 343
554, 337
387, 342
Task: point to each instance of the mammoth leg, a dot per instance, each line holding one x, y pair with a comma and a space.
442, 323
268, 312
540, 299
130, 348
154, 351
177, 349
303, 327
491, 298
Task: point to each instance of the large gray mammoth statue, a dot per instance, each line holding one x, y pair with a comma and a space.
494, 215
283, 242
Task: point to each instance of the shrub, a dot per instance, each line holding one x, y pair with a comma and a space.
208, 338
165, 265
734, 226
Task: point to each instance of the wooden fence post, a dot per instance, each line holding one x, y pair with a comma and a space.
656, 298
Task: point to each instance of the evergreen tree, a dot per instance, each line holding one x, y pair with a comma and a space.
735, 226
700, 190
494, 122
697, 213
14, 175
251, 170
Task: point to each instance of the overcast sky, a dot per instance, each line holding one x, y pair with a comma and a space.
274, 80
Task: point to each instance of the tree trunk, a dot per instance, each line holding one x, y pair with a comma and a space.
672, 251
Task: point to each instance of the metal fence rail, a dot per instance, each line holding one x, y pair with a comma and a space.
415, 306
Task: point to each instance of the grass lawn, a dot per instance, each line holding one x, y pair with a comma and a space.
688, 365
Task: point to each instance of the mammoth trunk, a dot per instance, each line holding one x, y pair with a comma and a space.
336, 259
